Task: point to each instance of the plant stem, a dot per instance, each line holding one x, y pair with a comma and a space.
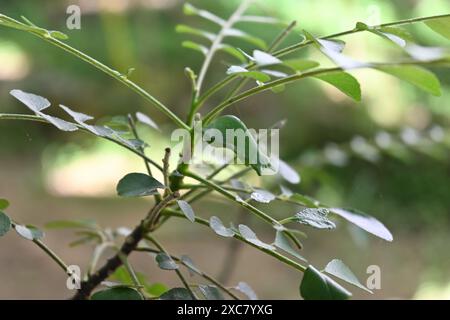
272, 253
218, 86
246, 94
95, 63
216, 43
53, 256
178, 272
202, 274
27, 117
231, 196
129, 245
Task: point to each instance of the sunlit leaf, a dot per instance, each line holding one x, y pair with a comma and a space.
145, 119
165, 262
181, 28
317, 218
5, 224
426, 54
117, 293
338, 269
242, 143
4, 204
187, 261
156, 289
259, 19
287, 172
441, 26
190, 10
417, 76
247, 290
274, 73
236, 33
176, 294
262, 196
283, 242
343, 81
218, 227
195, 46
187, 210
81, 118
262, 58
257, 75
29, 232
251, 237
333, 50
211, 292
318, 286
395, 34
365, 222
138, 185
36, 104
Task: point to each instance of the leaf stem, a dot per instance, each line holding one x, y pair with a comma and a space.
202, 274
290, 49
10, 22
272, 253
28, 117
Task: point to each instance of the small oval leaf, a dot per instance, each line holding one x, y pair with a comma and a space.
138, 185
165, 262
216, 224
5, 224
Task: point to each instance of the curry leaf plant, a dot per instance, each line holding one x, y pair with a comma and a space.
266, 67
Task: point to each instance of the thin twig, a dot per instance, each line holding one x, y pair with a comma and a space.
178, 272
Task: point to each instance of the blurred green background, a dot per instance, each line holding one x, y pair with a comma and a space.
336, 144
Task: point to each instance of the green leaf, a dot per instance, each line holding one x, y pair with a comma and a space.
343, 81
236, 33
365, 222
301, 64
243, 144
441, 26
257, 75
176, 294
305, 200
216, 224
29, 232
260, 19
251, 237
187, 210
72, 224
36, 104
181, 28
5, 224
4, 204
247, 290
195, 46
117, 293
317, 286
165, 262
138, 185
317, 218
396, 35
211, 292
190, 10
156, 289
233, 52
58, 35
283, 242
338, 269
417, 76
